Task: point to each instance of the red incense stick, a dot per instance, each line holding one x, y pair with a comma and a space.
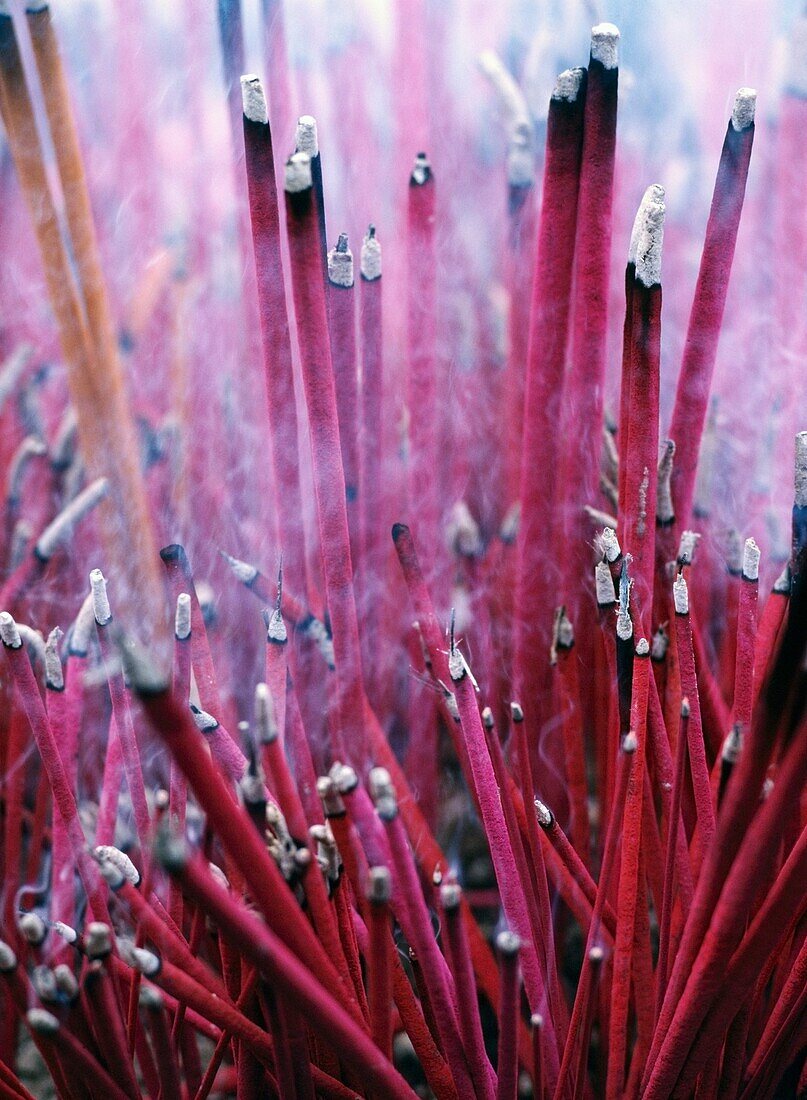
549, 318
700, 350
329, 479
275, 335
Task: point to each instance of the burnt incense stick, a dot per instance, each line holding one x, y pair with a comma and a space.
700, 350
309, 299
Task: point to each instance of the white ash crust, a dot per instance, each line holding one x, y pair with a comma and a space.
647, 237
276, 628
745, 103
687, 546
520, 159
9, 634
253, 99
642, 647
751, 556
681, 595
182, 618
298, 173
242, 570
371, 258
800, 478
604, 585
422, 170
665, 510
306, 139
54, 673
605, 45
340, 267
100, 600
567, 85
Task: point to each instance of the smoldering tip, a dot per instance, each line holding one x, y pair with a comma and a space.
371, 256
297, 176
744, 109
568, 85
253, 99
647, 237
340, 263
306, 138
605, 45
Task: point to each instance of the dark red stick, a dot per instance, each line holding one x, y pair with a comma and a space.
700, 349
379, 961
549, 320
424, 399
689, 687
639, 452
275, 336
371, 451
631, 889
456, 947
584, 392
329, 478
507, 1060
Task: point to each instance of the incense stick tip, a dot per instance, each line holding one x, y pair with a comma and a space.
647, 236
8, 960
508, 944
306, 139
643, 648
54, 673
450, 896
681, 595
182, 617
100, 600
106, 853
41, 1021
568, 85
371, 256
609, 544
516, 712
605, 45
800, 479
383, 794
687, 546
298, 173
9, 632
265, 722
422, 171
97, 940
332, 804
604, 585
340, 263
379, 885
745, 103
543, 814
751, 557
253, 99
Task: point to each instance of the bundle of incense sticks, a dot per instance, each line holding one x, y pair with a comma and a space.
454, 744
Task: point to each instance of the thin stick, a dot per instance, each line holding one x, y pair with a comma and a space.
508, 946
700, 349
697, 752
584, 391
275, 334
329, 479
422, 382
456, 945
549, 318
630, 888
379, 968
